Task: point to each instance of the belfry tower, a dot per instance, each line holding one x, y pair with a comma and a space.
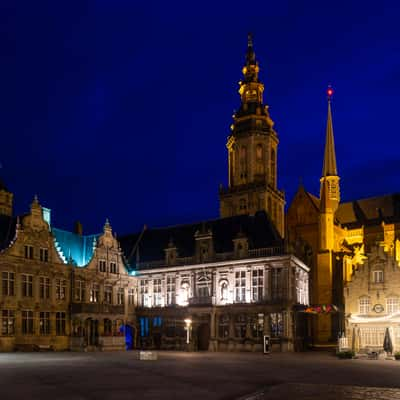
330, 198
252, 153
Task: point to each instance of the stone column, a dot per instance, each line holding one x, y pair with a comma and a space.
213, 346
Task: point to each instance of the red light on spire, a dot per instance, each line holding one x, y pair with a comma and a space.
329, 92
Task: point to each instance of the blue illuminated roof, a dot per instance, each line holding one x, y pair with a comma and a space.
73, 246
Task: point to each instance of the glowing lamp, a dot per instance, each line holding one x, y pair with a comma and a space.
329, 92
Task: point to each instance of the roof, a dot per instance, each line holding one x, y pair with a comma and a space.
77, 247
370, 211
258, 228
3, 186
329, 166
7, 230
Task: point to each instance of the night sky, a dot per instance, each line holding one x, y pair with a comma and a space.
121, 109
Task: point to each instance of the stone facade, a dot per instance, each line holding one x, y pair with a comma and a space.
49, 302
231, 304
334, 238
372, 301
252, 154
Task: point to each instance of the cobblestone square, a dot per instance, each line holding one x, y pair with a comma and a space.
179, 375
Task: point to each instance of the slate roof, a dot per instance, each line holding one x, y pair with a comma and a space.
7, 230
72, 245
258, 228
370, 211
3, 186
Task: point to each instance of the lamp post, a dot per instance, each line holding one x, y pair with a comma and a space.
188, 323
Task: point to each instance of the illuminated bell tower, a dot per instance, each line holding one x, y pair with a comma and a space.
252, 153
330, 198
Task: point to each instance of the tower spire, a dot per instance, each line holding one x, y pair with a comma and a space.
250, 55
329, 166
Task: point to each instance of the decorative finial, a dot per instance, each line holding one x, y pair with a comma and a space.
329, 92
249, 39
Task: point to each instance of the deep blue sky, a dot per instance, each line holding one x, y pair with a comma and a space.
121, 109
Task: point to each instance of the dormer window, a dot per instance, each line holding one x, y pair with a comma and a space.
378, 276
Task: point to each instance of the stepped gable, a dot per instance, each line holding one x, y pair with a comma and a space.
259, 229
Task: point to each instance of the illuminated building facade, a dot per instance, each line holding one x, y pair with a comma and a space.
337, 240
372, 301
61, 290
230, 277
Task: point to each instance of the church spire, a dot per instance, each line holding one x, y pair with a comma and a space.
250, 55
251, 69
329, 166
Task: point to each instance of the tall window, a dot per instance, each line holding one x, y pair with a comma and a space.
259, 159
240, 326
243, 163
240, 286
144, 290
185, 292
80, 290
60, 323
223, 326
131, 296
276, 283
157, 292
378, 276
107, 327
61, 289
171, 290
257, 282
273, 167
102, 266
44, 287
276, 321
94, 293
27, 285
8, 322
8, 283
113, 268
44, 255
108, 294
28, 252
121, 296
392, 305
44, 323
27, 322
364, 304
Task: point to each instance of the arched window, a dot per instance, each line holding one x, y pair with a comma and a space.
259, 159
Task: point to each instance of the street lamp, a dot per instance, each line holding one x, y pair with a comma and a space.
188, 323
